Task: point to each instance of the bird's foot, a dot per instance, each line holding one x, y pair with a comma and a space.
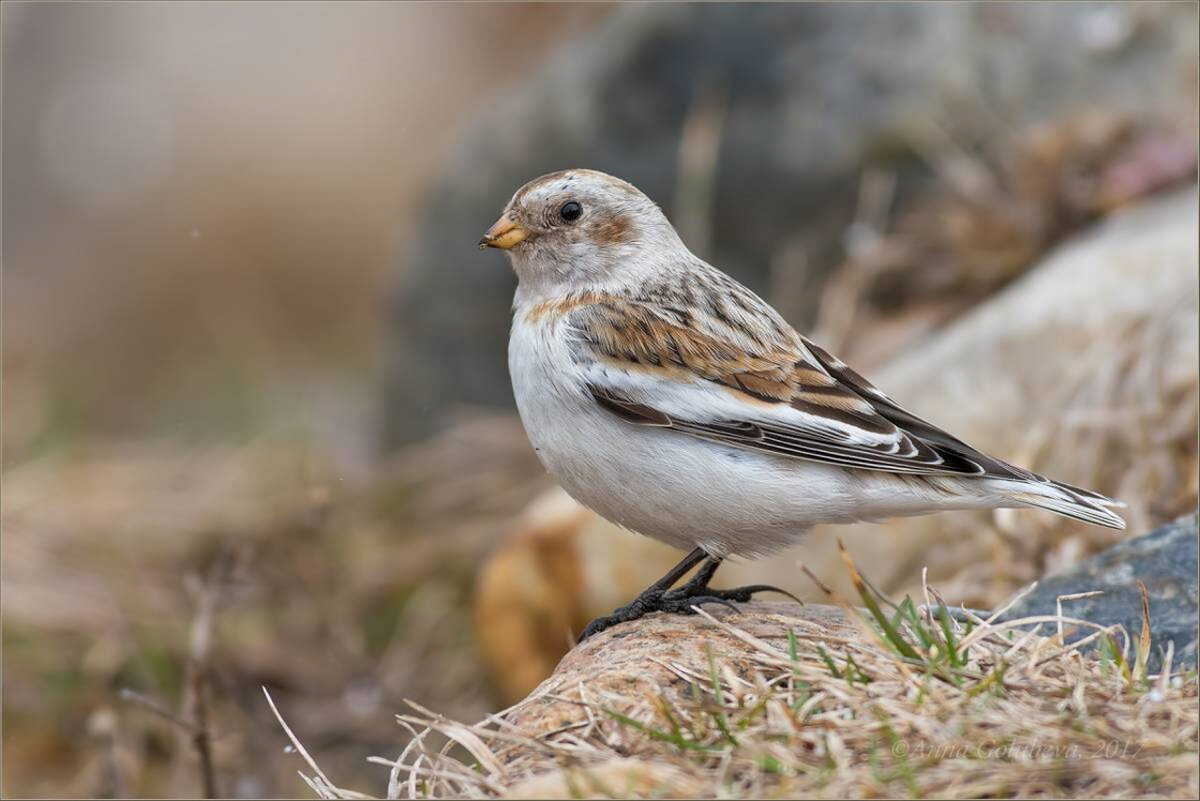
649, 601
682, 600
739, 594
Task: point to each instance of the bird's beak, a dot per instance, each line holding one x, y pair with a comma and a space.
506, 233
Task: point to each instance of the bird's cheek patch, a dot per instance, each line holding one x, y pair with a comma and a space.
613, 230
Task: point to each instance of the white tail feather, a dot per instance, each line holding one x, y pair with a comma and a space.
1069, 502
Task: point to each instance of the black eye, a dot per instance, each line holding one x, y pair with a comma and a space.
570, 211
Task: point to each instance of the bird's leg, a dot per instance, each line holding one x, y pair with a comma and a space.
659, 597
697, 591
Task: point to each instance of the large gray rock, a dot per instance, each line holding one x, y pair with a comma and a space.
811, 95
1165, 560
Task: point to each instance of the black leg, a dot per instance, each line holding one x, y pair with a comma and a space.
659, 597
699, 581
695, 557
698, 591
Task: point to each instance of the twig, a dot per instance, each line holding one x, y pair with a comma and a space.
201, 737
320, 783
1075, 596
299, 746
820, 584
102, 727
196, 698
127, 694
986, 627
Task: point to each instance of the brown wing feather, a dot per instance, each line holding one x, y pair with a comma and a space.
772, 367
624, 331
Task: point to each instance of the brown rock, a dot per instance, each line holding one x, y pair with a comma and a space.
527, 601
648, 656
615, 778
785, 701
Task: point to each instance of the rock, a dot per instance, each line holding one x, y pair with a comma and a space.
1087, 370
627, 777
527, 601
1165, 560
795, 101
615, 661
777, 700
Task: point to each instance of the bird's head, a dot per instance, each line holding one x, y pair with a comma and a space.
580, 229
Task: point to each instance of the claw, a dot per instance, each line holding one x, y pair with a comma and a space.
686, 603
649, 601
595, 627
744, 594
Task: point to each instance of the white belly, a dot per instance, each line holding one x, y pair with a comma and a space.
661, 483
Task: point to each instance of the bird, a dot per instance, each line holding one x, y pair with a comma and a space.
675, 402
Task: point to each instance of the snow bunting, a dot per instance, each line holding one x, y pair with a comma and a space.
675, 402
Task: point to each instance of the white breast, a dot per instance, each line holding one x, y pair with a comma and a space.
661, 483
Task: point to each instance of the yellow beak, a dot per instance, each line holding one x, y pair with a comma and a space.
504, 234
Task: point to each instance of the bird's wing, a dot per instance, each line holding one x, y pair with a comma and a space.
748, 380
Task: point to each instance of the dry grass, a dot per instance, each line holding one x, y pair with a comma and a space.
918, 701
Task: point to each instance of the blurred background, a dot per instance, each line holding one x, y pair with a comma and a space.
257, 428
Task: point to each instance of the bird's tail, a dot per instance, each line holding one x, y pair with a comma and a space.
1063, 499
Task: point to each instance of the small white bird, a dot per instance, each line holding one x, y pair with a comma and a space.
675, 402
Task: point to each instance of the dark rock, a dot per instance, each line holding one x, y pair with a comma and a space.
1165, 560
809, 95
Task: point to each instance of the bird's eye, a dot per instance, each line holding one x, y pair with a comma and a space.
570, 211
